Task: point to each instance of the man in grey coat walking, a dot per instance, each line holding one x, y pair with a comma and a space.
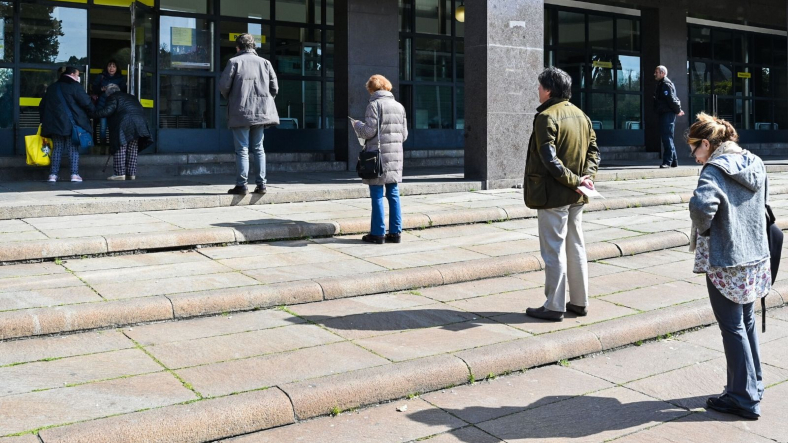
250, 87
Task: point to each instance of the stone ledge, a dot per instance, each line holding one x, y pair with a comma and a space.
651, 242
38, 249
379, 282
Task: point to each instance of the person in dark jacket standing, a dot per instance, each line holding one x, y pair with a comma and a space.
110, 76
249, 84
667, 106
562, 157
128, 129
56, 124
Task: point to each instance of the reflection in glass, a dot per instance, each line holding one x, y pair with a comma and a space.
300, 100
700, 79
299, 11
600, 32
53, 34
761, 82
628, 111
548, 27
229, 31
762, 49
780, 51
433, 17
33, 84
741, 47
404, 59
186, 102
459, 56
602, 71
328, 55
460, 100
405, 97
186, 43
433, 107
459, 27
781, 114
578, 99
298, 50
405, 8
193, 6
6, 98
725, 108
574, 65
723, 45
723, 79
258, 9
700, 104
700, 42
762, 114
780, 83
433, 60
628, 34
330, 12
628, 73
600, 110
742, 85
571, 29
329, 119
743, 114
6, 32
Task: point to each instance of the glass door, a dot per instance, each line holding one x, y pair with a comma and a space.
142, 72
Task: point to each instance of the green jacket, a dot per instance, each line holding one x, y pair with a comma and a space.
562, 150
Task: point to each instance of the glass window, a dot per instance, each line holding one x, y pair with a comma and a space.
548, 27
600, 111
459, 57
602, 71
741, 84
700, 42
405, 8
742, 44
404, 59
459, 27
33, 85
600, 32
433, 60
780, 83
762, 114
700, 81
628, 34
781, 114
762, 49
571, 29
259, 9
780, 51
725, 109
761, 82
460, 100
578, 99
229, 31
300, 100
121, 3
628, 73
6, 98
186, 43
574, 65
743, 114
433, 17
53, 34
329, 120
628, 111
549, 59
405, 97
433, 107
298, 50
193, 6
186, 102
699, 104
299, 11
723, 79
6, 32
330, 12
723, 45
328, 56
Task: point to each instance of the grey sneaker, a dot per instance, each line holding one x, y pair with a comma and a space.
116, 177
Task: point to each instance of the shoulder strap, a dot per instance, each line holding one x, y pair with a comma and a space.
65, 103
380, 117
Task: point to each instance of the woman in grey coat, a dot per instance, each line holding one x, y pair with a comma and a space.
729, 239
393, 133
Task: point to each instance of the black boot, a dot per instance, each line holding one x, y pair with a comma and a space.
376, 239
238, 190
393, 238
544, 314
579, 310
260, 189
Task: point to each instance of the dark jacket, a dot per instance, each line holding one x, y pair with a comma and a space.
127, 121
105, 79
393, 133
665, 99
249, 84
561, 151
54, 119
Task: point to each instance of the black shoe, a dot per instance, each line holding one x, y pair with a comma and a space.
260, 189
544, 314
376, 239
579, 310
393, 238
239, 190
726, 406
664, 166
674, 165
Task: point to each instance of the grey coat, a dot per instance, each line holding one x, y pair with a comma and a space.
250, 87
729, 206
393, 133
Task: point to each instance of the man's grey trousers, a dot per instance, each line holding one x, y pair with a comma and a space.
564, 253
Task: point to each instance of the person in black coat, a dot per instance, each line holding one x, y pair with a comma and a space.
668, 107
55, 121
110, 76
128, 131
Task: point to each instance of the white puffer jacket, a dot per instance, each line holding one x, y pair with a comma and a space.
393, 133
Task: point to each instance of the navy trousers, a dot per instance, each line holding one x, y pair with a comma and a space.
667, 125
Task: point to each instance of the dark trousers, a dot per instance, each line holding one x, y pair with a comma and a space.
667, 125
742, 352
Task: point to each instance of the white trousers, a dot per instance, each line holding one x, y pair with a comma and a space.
564, 253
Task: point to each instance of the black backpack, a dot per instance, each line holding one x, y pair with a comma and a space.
774, 236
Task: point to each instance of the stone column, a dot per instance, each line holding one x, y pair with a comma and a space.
366, 43
664, 36
504, 41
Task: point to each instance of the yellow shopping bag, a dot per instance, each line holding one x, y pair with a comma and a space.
38, 149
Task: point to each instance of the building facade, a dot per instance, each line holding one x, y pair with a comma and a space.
465, 70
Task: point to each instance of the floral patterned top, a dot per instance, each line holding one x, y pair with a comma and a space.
741, 284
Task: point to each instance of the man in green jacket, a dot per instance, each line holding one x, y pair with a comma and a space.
562, 157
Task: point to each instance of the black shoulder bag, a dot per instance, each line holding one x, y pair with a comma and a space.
369, 165
775, 237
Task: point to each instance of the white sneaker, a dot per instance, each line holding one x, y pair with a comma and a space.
52, 178
76, 178
116, 177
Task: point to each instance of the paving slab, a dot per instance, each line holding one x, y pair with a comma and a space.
659, 296
316, 270
697, 428
772, 423
329, 309
775, 353
110, 276
623, 281
476, 288
291, 258
172, 285
38, 282
134, 260
37, 298
598, 311
27, 270
34, 349
711, 337
780, 314
425, 258
468, 435
506, 248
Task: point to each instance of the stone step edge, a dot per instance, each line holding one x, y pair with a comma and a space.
238, 414
120, 313
118, 243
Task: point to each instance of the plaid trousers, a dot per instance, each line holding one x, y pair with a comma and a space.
125, 159
60, 143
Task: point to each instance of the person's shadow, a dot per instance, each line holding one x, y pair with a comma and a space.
563, 417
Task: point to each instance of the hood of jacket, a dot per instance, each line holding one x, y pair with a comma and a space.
380, 94
743, 168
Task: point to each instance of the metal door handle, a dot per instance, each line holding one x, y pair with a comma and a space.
139, 81
128, 79
87, 70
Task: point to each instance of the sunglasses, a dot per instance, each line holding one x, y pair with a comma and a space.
695, 146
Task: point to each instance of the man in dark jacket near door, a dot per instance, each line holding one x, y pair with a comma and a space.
249, 84
667, 106
562, 156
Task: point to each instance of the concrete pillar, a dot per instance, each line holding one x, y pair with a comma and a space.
664, 37
366, 43
504, 54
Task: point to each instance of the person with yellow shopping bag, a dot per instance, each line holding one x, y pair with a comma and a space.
38, 149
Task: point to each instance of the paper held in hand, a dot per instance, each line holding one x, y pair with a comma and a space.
361, 141
588, 192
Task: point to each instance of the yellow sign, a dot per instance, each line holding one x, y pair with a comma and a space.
182, 36
744, 74
257, 38
601, 64
146, 103
29, 101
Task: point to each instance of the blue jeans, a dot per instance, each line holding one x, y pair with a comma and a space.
102, 129
742, 352
247, 139
395, 210
667, 124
